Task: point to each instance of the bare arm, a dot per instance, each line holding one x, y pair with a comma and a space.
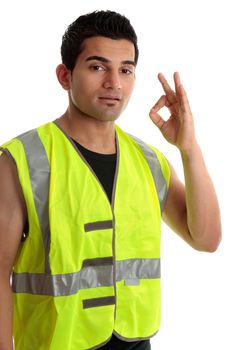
191, 211
12, 219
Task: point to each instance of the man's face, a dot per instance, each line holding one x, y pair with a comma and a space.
103, 78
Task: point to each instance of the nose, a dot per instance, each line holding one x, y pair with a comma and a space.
112, 81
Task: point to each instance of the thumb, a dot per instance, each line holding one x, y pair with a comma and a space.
156, 119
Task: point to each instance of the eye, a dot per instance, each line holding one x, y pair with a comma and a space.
127, 71
97, 68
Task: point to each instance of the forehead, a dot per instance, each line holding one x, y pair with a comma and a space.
114, 50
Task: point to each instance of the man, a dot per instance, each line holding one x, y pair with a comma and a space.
81, 203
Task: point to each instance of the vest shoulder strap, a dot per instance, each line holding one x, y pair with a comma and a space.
160, 179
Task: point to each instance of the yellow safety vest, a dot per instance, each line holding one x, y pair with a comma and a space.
88, 267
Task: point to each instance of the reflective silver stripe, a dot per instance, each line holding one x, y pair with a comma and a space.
98, 225
89, 277
154, 164
39, 170
63, 285
104, 301
137, 269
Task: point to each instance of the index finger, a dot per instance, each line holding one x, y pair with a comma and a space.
166, 88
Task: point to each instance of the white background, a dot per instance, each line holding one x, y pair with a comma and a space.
192, 37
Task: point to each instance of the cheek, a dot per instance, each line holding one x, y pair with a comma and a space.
86, 88
129, 89
80, 92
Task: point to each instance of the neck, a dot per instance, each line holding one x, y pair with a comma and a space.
93, 134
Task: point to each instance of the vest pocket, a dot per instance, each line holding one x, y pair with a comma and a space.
98, 225
95, 302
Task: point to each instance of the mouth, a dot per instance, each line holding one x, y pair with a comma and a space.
109, 98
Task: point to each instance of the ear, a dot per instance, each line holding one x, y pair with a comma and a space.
63, 76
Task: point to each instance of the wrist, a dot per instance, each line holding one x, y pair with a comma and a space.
191, 151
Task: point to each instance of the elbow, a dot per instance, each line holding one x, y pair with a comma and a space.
212, 247
211, 243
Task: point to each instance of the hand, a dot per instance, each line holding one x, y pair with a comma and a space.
179, 128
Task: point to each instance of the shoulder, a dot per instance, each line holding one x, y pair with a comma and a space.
10, 188
27, 136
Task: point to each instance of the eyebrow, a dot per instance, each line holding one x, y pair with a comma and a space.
105, 60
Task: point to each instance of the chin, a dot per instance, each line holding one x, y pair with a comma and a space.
106, 118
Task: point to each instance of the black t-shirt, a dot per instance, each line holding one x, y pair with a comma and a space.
104, 166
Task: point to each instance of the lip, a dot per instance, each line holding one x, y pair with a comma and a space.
110, 98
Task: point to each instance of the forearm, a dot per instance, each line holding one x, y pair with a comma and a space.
6, 315
202, 210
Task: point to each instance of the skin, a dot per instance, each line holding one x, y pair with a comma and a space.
99, 89
192, 210
12, 219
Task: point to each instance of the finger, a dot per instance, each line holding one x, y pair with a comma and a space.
184, 99
177, 79
177, 82
181, 93
167, 89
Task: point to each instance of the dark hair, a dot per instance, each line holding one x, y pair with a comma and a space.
98, 23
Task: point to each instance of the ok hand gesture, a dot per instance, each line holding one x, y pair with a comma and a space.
179, 128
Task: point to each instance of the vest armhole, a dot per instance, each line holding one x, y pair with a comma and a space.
8, 153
